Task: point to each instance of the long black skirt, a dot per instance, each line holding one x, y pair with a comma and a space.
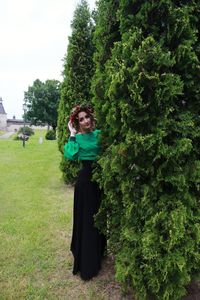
88, 244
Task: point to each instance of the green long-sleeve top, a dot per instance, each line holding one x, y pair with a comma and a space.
83, 146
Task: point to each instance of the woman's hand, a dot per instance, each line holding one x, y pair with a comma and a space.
71, 129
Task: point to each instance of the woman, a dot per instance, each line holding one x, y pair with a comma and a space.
87, 243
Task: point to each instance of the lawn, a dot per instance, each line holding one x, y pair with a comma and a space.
35, 228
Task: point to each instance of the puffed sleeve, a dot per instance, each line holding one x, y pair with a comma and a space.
71, 149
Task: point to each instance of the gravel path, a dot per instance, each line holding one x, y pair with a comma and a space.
6, 135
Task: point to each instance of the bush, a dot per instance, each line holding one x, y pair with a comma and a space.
26, 130
50, 135
21, 137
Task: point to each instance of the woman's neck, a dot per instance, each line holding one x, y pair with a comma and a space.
85, 131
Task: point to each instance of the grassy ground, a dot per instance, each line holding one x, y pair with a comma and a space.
35, 228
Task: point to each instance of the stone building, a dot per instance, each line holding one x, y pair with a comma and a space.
3, 116
8, 124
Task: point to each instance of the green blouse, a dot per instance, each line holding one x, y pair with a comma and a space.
84, 146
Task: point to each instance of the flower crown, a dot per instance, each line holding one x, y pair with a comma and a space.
76, 109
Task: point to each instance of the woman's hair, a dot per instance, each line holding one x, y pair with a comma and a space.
82, 108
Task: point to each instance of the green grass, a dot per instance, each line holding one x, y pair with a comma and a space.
35, 228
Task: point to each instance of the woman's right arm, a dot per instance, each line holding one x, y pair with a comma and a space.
72, 147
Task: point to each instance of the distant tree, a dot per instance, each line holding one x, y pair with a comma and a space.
77, 74
42, 99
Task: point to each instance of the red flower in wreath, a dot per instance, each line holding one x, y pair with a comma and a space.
75, 112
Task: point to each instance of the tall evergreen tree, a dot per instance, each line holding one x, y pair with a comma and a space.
150, 172
77, 74
105, 35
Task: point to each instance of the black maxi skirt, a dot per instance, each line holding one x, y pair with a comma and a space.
87, 244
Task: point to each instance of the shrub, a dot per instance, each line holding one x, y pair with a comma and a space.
26, 130
50, 135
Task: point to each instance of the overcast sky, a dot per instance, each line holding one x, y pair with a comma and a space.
33, 41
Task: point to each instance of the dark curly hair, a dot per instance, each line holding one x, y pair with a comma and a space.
81, 108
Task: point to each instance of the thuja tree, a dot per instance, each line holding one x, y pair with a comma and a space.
78, 70
105, 35
150, 171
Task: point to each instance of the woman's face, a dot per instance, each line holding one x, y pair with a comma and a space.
84, 121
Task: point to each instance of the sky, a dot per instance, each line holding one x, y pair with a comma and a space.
33, 42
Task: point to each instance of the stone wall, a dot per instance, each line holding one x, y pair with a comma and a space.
15, 127
3, 121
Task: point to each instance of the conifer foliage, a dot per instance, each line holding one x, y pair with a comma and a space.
105, 35
150, 171
77, 74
